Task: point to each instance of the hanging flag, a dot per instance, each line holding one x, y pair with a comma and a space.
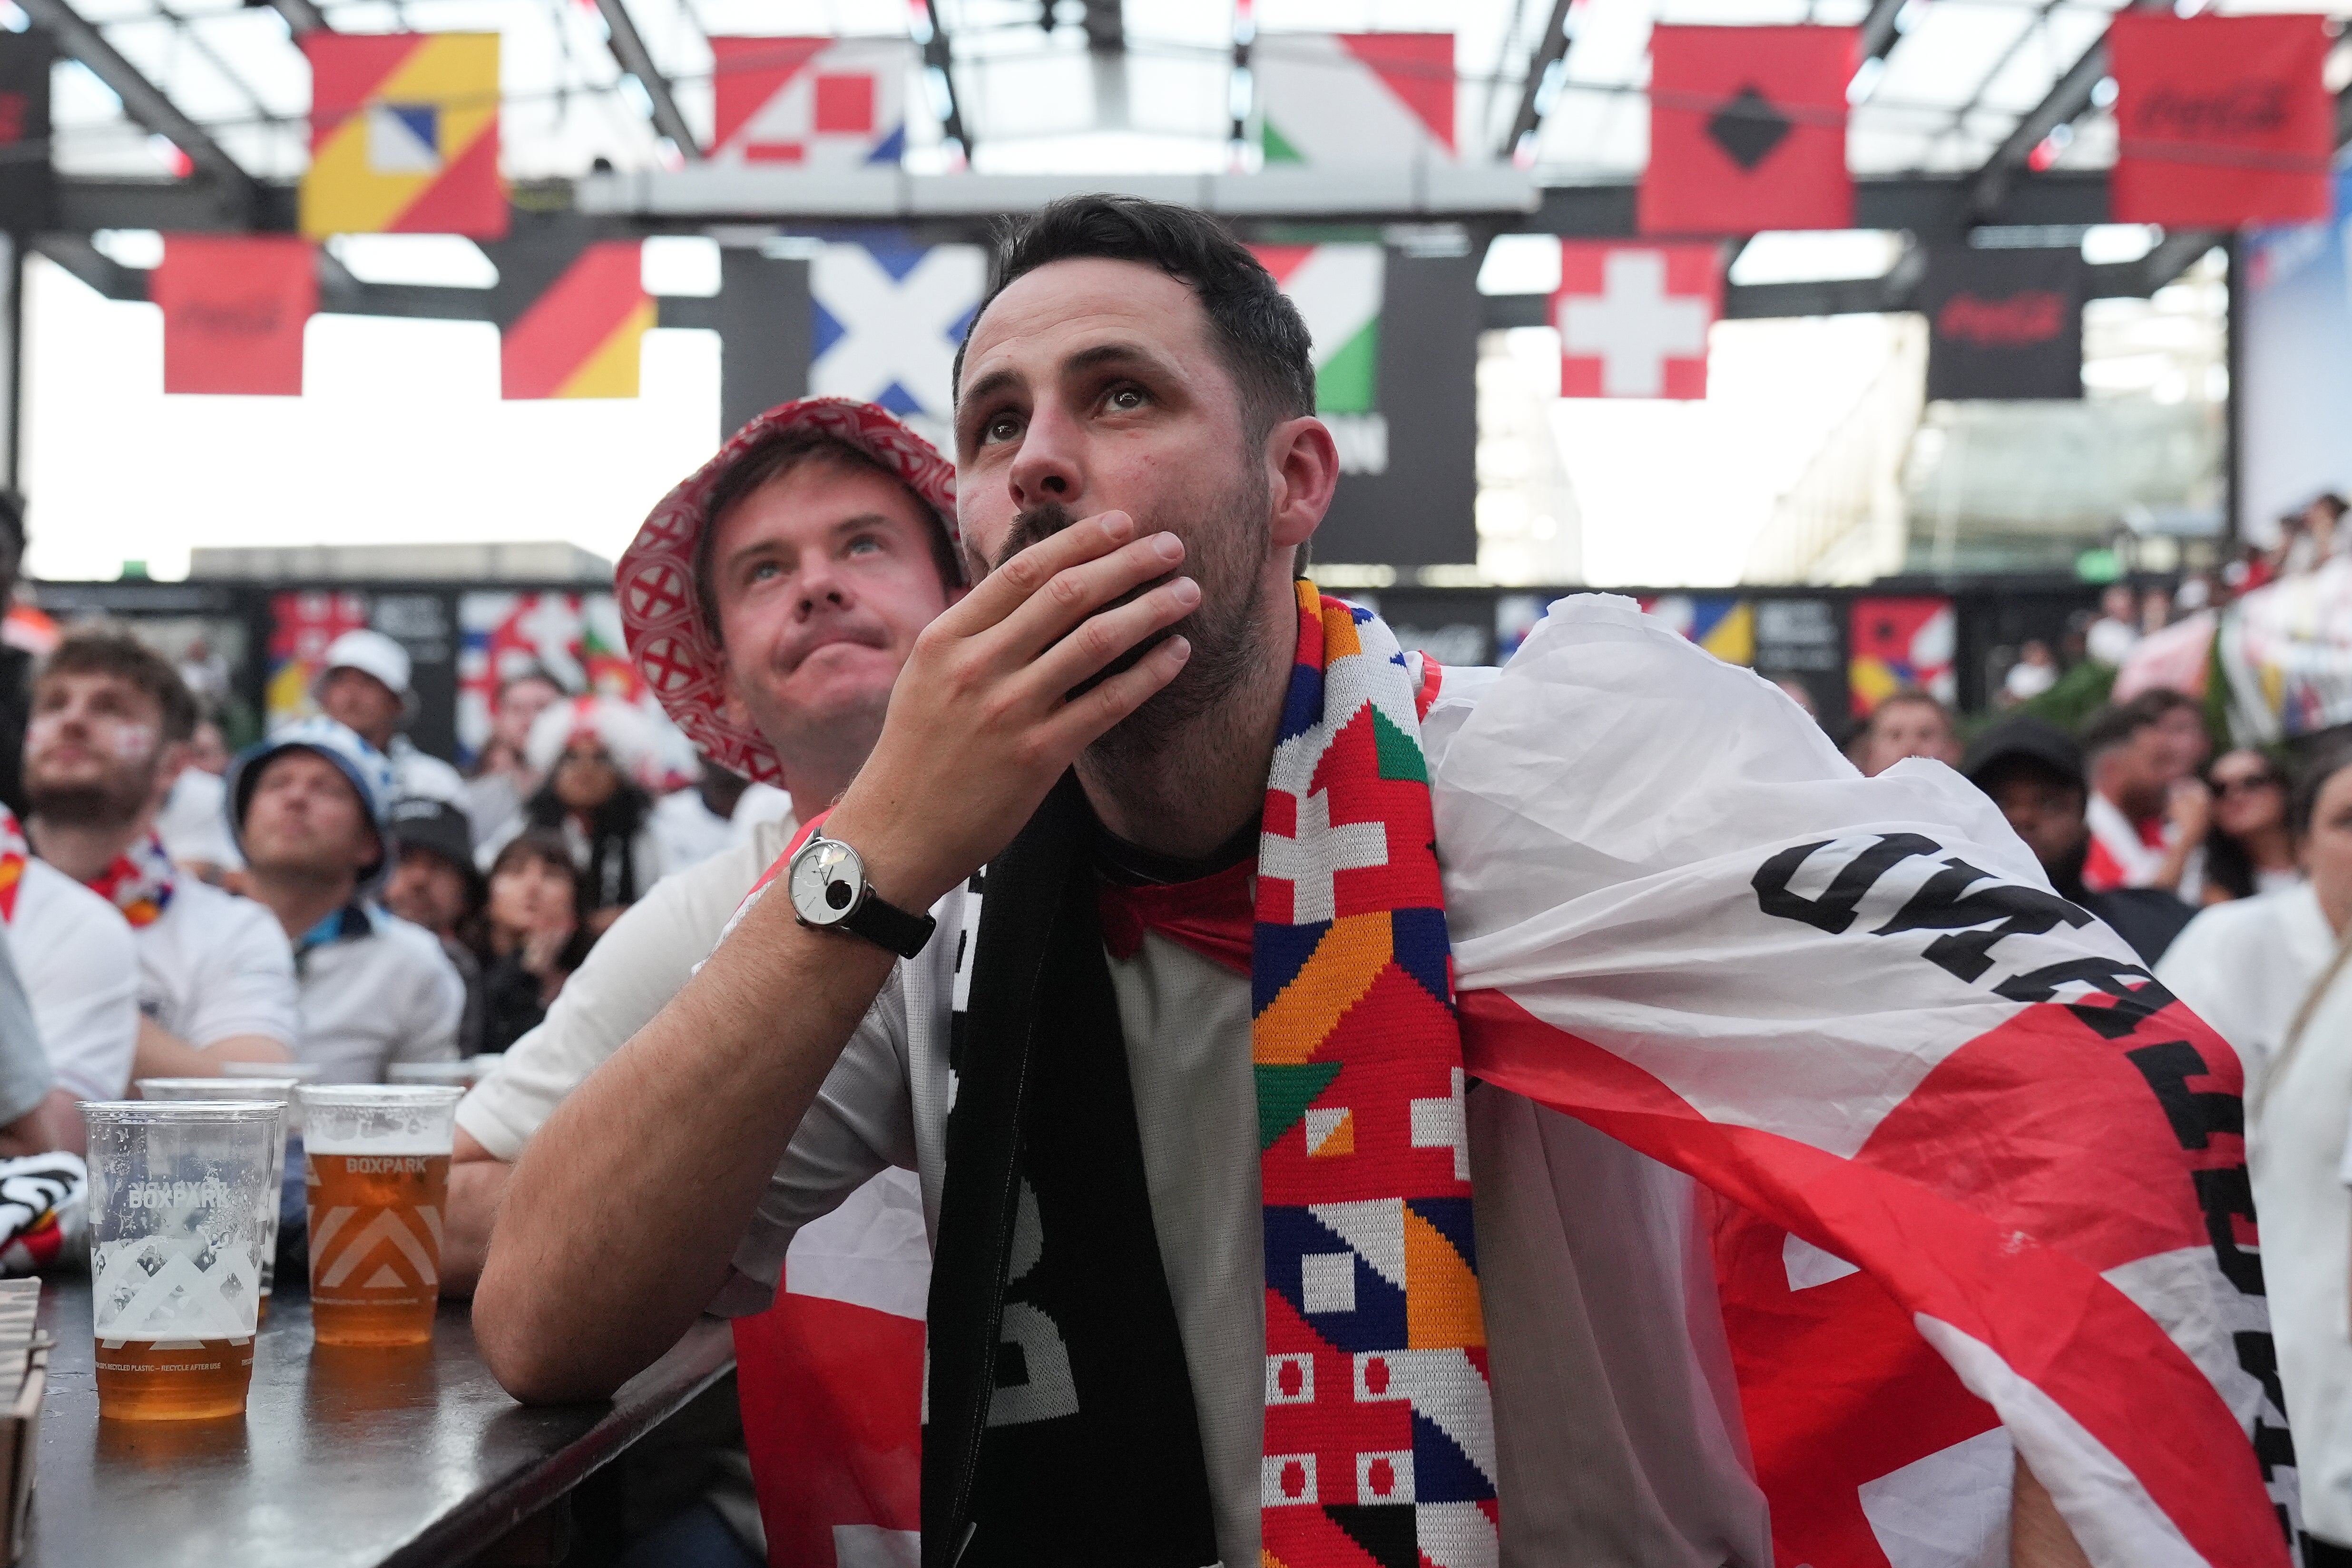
888, 317
29, 179
580, 339
302, 625
1748, 130
1333, 100
1726, 627
1634, 318
811, 103
233, 308
574, 638
1337, 289
2220, 121
404, 135
2003, 323
1898, 643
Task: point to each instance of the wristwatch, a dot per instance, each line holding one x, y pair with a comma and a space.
829, 891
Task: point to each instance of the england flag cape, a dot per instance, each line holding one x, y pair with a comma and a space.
1977, 1182
1918, 1082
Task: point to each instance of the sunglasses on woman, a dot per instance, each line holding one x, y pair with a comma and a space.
2248, 782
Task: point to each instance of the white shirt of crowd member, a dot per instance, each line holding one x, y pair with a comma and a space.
2116, 631
2268, 973
710, 817
109, 733
365, 685
1907, 724
307, 806
2035, 672
822, 578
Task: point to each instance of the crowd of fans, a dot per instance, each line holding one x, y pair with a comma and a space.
332, 896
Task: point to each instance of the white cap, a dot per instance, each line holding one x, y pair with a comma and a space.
369, 653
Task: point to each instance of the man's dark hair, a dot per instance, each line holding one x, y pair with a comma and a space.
2302, 802
2159, 701
772, 460
2113, 727
1259, 332
111, 651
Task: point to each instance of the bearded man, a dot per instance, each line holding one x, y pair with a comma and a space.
112, 726
1228, 1267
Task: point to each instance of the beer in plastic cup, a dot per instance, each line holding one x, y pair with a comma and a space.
378, 1181
176, 1196
277, 1089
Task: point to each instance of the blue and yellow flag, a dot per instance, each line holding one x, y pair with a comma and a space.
404, 135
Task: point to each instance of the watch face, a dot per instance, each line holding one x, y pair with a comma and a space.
826, 878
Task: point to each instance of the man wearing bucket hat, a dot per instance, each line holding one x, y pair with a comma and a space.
307, 806
364, 684
770, 599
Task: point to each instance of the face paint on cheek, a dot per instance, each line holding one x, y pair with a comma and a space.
131, 742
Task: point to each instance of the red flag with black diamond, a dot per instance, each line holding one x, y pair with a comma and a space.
1748, 130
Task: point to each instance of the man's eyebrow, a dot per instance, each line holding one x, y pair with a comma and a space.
1118, 353
988, 385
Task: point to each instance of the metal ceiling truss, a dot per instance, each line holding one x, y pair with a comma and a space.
628, 47
1550, 52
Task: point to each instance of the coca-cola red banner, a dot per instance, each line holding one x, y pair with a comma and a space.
2221, 121
1748, 130
234, 308
2003, 323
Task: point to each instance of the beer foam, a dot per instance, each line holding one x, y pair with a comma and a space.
318, 1141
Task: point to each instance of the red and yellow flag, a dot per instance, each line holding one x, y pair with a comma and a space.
404, 135
580, 339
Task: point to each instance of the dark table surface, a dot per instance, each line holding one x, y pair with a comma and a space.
344, 1458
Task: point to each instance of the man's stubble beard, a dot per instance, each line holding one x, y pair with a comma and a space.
1225, 554
91, 805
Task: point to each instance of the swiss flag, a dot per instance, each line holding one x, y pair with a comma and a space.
234, 309
1634, 318
1748, 130
2221, 121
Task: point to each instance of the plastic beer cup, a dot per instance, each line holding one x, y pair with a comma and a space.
277, 1089
378, 1179
177, 1191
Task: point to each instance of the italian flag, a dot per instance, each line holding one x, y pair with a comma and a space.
1330, 99
1338, 287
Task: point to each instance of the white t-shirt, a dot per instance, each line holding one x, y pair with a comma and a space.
629, 975
193, 823
386, 994
212, 965
81, 968
689, 832
2245, 967
420, 775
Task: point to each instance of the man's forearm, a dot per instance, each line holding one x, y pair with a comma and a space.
2037, 1537
476, 1184
163, 1054
616, 1226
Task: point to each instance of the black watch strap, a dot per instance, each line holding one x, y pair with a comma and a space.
886, 925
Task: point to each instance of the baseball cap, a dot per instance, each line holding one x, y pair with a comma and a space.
662, 613
369, 653
2024, 739
367, 769
438, 827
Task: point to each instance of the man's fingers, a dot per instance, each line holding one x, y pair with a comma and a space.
1075, 593
1100, 639
1008, 587
1084, 718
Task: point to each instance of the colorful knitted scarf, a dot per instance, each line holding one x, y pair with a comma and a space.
13, 852
1054, 1348
138, 882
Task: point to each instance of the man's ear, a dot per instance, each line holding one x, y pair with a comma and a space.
1303, 469
168, 767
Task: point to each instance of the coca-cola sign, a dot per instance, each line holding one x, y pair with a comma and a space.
2220, 121
2032, 316
2003, 323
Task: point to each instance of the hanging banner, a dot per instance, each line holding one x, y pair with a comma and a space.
301, 628
2287, 652
1899, 643
809, 103
2291, 318
1336, 100
233, 308
2220, 121
28, 181
581, 337
887, 319
1339, 290
404, 135
574, 638
1725, 626
2003, 323
1748, 130
1634, 318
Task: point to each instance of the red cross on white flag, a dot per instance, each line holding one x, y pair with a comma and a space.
1634, 318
